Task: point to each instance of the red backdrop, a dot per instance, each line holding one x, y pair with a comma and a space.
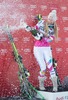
11, 11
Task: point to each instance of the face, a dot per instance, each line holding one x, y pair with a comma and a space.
50, 19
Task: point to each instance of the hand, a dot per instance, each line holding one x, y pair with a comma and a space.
38, 36
23, 24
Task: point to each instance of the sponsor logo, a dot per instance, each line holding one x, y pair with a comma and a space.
43, 7
22, 6
3, 51
66, 49
66, 39
33, 6
65, 18
27, 50
26, 39
65, 28
15, 39
59, 50
61, 98
3, 39
63, 8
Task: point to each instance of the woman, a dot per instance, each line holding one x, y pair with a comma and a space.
42, 50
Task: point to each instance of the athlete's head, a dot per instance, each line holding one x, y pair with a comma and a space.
52, 17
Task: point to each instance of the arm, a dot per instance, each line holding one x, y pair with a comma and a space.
49, 39
35, 33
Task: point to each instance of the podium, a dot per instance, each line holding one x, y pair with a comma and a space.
54, 95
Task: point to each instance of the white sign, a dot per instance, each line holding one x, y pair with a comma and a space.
54, 96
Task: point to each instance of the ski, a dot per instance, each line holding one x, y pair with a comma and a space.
27, 89
58, 79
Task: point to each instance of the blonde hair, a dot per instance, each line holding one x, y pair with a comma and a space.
55, 29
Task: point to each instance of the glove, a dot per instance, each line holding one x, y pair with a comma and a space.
24, 26
36, 34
